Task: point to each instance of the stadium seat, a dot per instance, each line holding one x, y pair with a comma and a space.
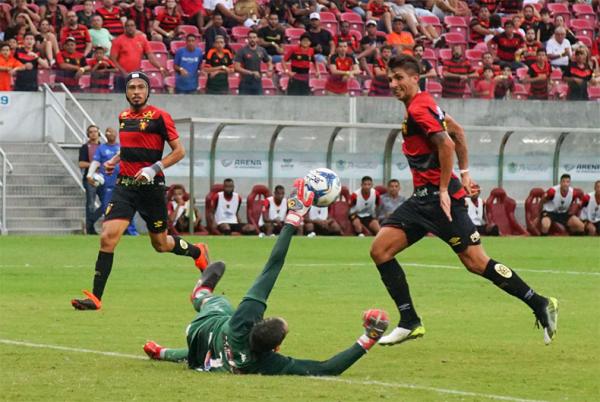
84, 82
339, 212
557, 9
236, 46
185, 30
434, 21
77, 7
293, 34
269, 88
254, 203
46, 76
594, 93
532, 214
176, 45
317, 86
210, 210
156, 82
329, 22
147, 67
234, 84
156, 46
456, 38
284, 82
445, 54
356, 34
367, 85
520, 92
240, 33
159, 10
522, 73
585, 40
354, 88
585, 11
162, 58
474, 57
559, 91
482, 47
170, 82
500, 211
456, 24
381, 189
354, 20
200, 230
556, 76
202, 79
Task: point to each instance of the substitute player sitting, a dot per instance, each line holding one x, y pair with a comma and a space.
437, 206
143, 130
363, 207
226, 205
273, 212
242, 341
318, 222
590, 213
557, 206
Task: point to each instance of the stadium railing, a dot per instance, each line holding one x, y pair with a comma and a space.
7, 167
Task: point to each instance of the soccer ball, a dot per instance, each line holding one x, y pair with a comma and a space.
325, 184
98, 179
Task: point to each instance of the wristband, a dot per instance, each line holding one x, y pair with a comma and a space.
365, 342
157, 167
463, 171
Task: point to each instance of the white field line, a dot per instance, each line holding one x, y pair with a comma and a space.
331, 379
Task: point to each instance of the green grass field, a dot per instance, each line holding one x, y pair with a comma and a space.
480, 343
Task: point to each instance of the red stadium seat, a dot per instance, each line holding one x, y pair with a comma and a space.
474, 56
500, 211
156, 82
162, 58
329, 22
235, 47
234, 84
176, 45
170, 82
594, 93
520, 92
456, 38
338, 211
585, 11
354, 88
430, 56
482, 47
269, 88
355, 21
202, 79
457, 25
147, 67
557, 9
210, 211
240, 33
317, 86
46, 77
381, 189
356, 34
156, 46
522, 73
367, 85
159, 10
254, 203
293, 34
84, 82
171, 66
556, 76
434, 21
284, 82
77, 7
434, 88
445, 54
585, 40
185, 30
559, 91
532, 214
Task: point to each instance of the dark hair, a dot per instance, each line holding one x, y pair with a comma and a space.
266, 335
393, 181
345, 42
3, 44
279, 187
540, 50
390, 48
495, 21
545, 10
228, 180
509, 23
419, 44
528, 6
486, 68
366, 178
190, 36
405, 62
565, 176
28, 34
87, 130
305, 35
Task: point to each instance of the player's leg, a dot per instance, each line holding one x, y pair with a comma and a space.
268, 228
356, 225
545, 224
224, 228
203, 290
590, 229
374, 226
333, 228
249, 229
164, 243
157, 352
309, 227
575, 226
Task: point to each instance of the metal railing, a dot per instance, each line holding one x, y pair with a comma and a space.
7, 167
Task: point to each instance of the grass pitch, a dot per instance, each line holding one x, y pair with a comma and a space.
480, 343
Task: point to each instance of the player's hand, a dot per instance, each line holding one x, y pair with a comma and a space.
375, 322
91, 181
146, 175
109, 166
445, 204
299, 202
467, 183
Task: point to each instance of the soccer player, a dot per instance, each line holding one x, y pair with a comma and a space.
590, 213
226, 206
476, 211
143, 130
556, 207
363, 206
318, 222
437, 206
241, 341
273, 212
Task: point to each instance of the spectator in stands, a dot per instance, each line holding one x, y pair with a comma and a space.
399, 8
296, 65
516, 20
27, 78
165, 26
214, 30
590, 211
54, 14
193, 12
491, 5
226, 206
476, 211
528, 53
226, 9
5, 21
46, 41
558, 49
505, 84
86, 155
390, 201
279, 7
456, 74
111, 17
511, 6
8, 67
559, 22
85, 16
363, 206
127, 51
485, 86
345, 36
343, 68
219, 63
21, 8
271, 38
301, 12
71, 65
247, 64
100, 36
21, 24
480, 26
530, 19
487, 60
142, 16
544, 28
380, 86
321, 39
179, 211
402, 41
496, 29
369, 45
186, 64
101, 67
427, 70
250, 11
539, 76
273, 213
557, 206
443, 8
318, 222
578, 74
508, 43
83, 41
379, 11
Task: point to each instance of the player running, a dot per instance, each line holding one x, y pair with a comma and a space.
242, 341
437, 205
143, 130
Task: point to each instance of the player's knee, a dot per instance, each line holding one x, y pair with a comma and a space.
108, 241
160, 246
379, 253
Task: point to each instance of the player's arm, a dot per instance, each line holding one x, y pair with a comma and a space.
457, 133
445, 148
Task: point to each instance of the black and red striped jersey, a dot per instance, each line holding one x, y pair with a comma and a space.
143, 135
423, 119
111, 20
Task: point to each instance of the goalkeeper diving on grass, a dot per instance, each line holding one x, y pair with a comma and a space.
241, 341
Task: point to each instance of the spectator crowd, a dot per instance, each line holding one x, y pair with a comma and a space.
492, 49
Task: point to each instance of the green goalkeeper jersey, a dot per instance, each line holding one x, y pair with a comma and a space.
218, 338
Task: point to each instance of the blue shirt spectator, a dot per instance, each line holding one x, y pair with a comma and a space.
186, 64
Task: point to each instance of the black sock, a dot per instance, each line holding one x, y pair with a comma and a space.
182, 247
103, 268
394, 280
508, 280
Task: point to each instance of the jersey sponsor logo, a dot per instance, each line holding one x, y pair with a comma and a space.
503, 270
475, 237
454, 241
183, 244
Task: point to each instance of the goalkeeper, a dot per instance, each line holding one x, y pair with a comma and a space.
242, 341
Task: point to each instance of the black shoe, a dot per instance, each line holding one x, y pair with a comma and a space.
90, 303
210, 277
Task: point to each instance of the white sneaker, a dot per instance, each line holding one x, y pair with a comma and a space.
399, 335
311, 234
261, 235
361, 235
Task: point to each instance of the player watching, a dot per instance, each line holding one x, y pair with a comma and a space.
590, 213
476, 211
241, 341
556, 207
391, 200
363, 205
318, 222
437, 206
144, 129
226, 205
273, 212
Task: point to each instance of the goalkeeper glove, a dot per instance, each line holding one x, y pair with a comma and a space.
298, 203
375, 322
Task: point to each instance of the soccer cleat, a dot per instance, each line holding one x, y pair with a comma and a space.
153, 350
210, 278
548, 319
90, 303
202, 261
401, 334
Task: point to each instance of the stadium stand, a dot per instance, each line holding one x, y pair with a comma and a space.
500, 211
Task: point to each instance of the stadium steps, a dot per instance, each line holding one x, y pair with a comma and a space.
41, 196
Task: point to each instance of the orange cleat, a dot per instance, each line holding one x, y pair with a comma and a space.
202, 261
153, 350
91, 303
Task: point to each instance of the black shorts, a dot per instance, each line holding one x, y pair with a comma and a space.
364, 220
149, 201
559, 217
419, 215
